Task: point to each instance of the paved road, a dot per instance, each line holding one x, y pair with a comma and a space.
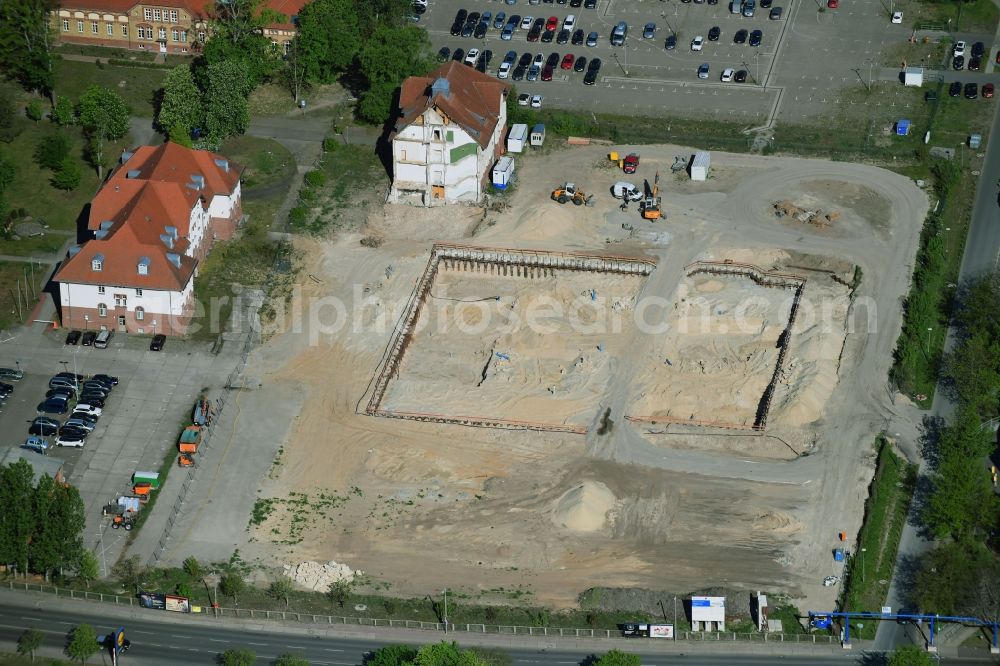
163, 638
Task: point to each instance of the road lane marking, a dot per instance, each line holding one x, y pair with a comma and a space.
296, 647
332, 650
257, 644
179, 636
140, 631
31, 619
218, 640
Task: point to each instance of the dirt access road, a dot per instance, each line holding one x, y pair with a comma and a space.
421, 506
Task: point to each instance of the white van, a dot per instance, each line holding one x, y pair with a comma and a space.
103, 338
627, 191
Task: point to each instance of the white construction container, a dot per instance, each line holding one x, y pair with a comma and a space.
538, 135
913, 76
699, 165
517, 138
503, 172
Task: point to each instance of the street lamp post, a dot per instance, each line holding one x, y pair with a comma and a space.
675, 617
445, 618
86, 322
863, 551
929, 331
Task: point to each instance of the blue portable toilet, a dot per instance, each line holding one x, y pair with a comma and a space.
838, 554
902, 127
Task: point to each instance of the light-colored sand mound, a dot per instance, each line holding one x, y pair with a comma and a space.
584, 508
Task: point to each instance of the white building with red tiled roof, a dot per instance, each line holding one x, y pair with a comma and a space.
448, 134
153, 221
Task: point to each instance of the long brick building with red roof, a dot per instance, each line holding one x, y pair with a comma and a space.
163, 26
152, 222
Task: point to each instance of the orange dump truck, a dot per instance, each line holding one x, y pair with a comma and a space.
190, 439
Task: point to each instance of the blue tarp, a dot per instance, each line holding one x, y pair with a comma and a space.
902, 127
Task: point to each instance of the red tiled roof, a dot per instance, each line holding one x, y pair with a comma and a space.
473, 100
145, 197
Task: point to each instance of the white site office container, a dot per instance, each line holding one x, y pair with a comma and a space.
699, 165
913, 76
503, 172
517, 138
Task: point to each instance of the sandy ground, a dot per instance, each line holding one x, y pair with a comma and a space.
423, 505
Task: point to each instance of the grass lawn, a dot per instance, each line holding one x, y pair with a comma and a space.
870, 569
137, 85
34, 246
10, 274
975, 16
267, 162
345, 170
31, 189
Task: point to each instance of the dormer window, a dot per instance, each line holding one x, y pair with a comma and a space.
142, 268
97, 263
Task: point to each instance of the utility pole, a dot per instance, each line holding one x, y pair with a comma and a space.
675, 617
863, 551
445, 618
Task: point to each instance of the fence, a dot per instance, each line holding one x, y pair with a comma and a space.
468, 628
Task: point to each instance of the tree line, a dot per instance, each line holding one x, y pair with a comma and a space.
41, 524
962, 510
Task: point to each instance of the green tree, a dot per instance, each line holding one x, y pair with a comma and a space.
392, 655
25, 43
34, 110
946, 580
291, 660
238, 37
233, 585
329, 38
16, 520
63, 113
238, 657
910, 655
963, 503
130, 572
618, 658
391, 54
491, 656
104, 116
82, 643
52, 150
281, 590
978, 303
973, 372
227, 112
8, 114
192, 567
29, 641
68, 176
340, 591
181, 109
87, 570
59, 521
445, 654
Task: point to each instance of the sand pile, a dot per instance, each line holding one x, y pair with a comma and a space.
316, 576
584, 508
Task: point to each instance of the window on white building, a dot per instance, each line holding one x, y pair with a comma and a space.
102, 310
100, 290
156, 14
138, 293
121, 301
147, 14
140, 314
65, 25
173, 16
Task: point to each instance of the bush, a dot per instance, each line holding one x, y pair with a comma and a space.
297, 216
330, 144
315, 178
34, 110
52, 150
68, 176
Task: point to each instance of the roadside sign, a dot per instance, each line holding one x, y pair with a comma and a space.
886, 610
661, 631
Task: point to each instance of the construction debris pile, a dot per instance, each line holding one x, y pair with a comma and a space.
814, 217
320, 577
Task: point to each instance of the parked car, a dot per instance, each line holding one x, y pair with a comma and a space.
671, 42
95, 384
703, 70
567, 61
552, 60
60, 391
85, 417
593, 70
71, 375
592, 41
36, 444
503, 71
698, 42
88, 338
548, 36
527, 22
580, 65
53, 406
500, 20
988, 90
740, 37
534, 34
578, 37
64, 382
765, 4
714, 33
43, 426
958, 62
958, 49
533, 72
741, 76
536, 101
547, 73
755, 37
109, 380
649, 31
523, 99
955, 89
589, 4
727, 75
552, 23
94, 399
525, 60
73, 337
74, 439
480, 30
457, 55
518, 73
508, 32
971, 91
80, 424
775, 14
563, 36
897, 17
10, 373
833, 4
87, 409
974, 63
978, 49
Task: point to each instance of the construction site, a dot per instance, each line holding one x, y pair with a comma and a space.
570, 396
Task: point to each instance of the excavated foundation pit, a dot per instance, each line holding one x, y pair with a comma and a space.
516, 339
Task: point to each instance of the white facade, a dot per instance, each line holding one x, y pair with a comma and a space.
437, 161
143, 305
222, 205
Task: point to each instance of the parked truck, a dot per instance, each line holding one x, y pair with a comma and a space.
190, 439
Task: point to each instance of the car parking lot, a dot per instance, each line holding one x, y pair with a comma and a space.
141, 419
803, 59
